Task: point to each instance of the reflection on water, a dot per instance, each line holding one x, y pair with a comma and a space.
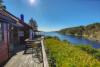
73, 39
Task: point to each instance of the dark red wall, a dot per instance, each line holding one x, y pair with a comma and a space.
4, 45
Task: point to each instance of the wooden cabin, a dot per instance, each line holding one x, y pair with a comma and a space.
13, 32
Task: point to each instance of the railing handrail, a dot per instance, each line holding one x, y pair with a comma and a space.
45, 59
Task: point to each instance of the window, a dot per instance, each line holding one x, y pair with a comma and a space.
1, 32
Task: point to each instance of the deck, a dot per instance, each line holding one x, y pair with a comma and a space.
23, 60
28, 59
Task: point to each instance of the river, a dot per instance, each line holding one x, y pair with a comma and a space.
74, 39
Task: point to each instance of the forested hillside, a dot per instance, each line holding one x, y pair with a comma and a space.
91, 31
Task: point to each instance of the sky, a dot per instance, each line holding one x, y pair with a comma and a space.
52, 15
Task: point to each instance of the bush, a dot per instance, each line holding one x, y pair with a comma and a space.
50, 37
97, 55
88, 49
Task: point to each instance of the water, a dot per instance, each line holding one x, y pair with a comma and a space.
74, 39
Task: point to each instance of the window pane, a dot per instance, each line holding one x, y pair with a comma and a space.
0, 25
1, 32
0, 37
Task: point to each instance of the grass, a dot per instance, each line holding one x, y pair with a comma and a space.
92, 51
63, 54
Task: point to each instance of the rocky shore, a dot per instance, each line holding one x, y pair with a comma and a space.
94, 38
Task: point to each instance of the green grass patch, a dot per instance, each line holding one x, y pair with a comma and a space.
63, 54
92, 51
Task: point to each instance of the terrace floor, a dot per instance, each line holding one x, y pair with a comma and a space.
24, 60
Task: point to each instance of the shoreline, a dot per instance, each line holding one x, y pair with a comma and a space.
84, 36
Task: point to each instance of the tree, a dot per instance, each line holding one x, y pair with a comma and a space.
2, 6
1, 1
33, 24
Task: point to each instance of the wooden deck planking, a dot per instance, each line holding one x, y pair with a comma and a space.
26, 60
23, 60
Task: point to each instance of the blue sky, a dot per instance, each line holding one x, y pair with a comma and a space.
53, 15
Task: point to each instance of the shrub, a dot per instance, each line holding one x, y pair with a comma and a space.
50, 37
97, 55
88, 49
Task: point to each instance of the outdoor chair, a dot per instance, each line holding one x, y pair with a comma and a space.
27, 46
36, 47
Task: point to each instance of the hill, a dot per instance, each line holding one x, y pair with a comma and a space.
90, 31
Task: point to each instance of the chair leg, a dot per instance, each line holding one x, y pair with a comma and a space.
25, 49
32, 51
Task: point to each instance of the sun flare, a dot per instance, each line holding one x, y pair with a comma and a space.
32, 1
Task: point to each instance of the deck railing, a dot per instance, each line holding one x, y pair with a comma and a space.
45, 59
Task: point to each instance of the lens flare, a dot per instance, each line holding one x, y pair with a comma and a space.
32, 1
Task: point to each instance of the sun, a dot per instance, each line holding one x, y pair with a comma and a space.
32, 1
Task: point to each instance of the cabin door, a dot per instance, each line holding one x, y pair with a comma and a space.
21, 37
14, 42
11, 42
